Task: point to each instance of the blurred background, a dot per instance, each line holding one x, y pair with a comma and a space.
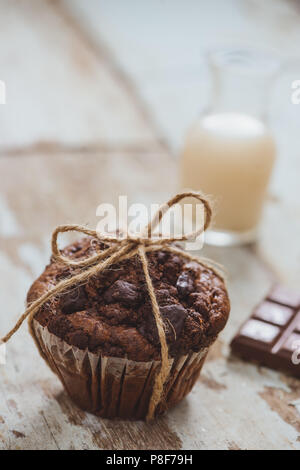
99, 98
90, 58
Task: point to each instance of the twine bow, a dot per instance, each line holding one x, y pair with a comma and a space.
118, 250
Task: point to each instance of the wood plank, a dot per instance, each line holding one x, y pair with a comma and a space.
58, 90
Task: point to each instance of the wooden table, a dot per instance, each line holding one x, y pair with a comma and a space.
98, 100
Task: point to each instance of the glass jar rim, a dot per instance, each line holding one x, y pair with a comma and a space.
244, 61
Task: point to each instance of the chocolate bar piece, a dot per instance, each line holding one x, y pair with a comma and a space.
271, 336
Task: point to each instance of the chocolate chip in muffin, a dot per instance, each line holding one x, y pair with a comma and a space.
185, 284
123, 292
174, 317
73, 301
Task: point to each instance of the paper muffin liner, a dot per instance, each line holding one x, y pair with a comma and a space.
113, 387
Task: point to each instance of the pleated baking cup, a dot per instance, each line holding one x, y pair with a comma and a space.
113, 387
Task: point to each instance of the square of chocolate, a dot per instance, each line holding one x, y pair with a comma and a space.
262, 332
285, 296
273, 313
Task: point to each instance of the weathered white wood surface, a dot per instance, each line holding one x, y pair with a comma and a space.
59, 89
93, 94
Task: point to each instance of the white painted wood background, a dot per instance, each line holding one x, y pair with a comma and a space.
99, 95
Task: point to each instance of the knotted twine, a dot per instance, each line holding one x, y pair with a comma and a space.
119, 249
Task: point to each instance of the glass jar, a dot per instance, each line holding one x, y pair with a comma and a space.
229, 151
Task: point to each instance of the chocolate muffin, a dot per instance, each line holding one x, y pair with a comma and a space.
101, 339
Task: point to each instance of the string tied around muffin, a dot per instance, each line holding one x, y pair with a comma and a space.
120, 248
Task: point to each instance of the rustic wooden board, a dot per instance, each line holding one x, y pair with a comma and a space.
100, 133
59, 89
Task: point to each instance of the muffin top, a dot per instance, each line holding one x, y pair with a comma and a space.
111, 313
